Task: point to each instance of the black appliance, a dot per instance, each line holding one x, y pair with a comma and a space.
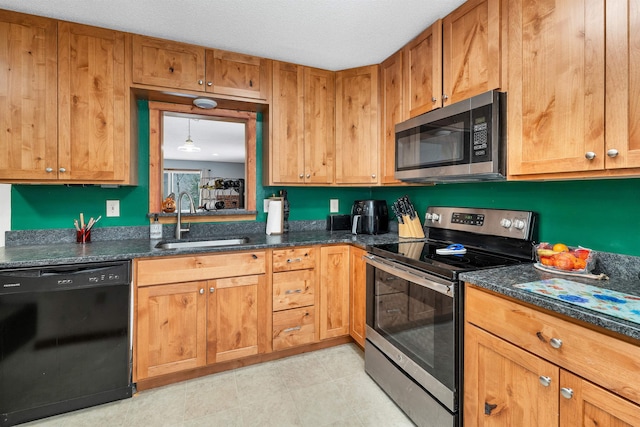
465, 141
369, 217
64, 339
414, 334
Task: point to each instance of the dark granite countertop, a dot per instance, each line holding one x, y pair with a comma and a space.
126, 249
623, 272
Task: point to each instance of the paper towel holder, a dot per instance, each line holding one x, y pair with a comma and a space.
275, 216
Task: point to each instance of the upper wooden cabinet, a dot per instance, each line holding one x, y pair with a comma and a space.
357, 126
471, 56
392, 111
93, 107
170, 64
28, 100
302, 146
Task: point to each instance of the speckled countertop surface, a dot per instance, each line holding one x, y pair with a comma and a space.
623, 272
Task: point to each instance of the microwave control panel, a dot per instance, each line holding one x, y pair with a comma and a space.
480, 137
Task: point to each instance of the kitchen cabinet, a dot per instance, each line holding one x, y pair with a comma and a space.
392, 106
572, 110
170, 64
357, 295
295, 278
193, 311
357, 126
93, 107
302, 147
334, 291
28, 105
530, 368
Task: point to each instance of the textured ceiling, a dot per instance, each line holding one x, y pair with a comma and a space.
329, 34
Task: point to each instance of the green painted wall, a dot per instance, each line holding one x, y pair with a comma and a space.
600, 214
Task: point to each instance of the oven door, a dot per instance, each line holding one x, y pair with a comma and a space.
411, 318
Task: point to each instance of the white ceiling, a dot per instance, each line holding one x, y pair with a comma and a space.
329, 34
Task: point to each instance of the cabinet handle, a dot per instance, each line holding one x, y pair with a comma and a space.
209, 83
48, 170
295, 328
254, 256
200, 82
301, 175
373, 175
62, 170
308, 175
171, 70
612, 153
555, 342
445, 97
545, 381
567, 393
590, 155
290, 260
434, 99
293, 291
211, 289
201, 291
250, 83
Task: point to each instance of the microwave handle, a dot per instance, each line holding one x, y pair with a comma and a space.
408, 274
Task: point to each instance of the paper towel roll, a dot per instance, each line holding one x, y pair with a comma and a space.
275, 216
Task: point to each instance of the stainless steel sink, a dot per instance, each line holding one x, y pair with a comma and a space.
187, 244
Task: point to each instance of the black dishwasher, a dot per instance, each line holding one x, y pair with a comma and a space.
64, 339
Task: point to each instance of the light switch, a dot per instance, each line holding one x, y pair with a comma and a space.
334, 206
113, 207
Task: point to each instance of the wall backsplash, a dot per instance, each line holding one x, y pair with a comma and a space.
600, 214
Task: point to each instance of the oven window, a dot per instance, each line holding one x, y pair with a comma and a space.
419, 322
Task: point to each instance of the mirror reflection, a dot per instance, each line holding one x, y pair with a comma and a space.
205, 156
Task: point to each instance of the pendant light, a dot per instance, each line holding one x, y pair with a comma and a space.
188, 145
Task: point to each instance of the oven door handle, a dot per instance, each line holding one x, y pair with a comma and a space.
414, 276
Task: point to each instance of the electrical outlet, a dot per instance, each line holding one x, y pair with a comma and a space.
334, 206
113, 207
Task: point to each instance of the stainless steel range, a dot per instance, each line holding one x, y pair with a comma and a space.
414, 347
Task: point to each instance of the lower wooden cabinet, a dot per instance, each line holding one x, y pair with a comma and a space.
334, 291
294, 327
511, 380
358, 295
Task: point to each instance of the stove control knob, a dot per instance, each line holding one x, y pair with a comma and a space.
506, 223
519, 224
435, 217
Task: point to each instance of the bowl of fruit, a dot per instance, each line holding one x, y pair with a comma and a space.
565, 258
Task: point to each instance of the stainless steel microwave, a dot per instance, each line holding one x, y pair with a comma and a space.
462, 142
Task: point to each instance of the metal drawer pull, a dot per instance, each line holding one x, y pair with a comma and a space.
567, 393
393, 310
545, 381
295, 328
555, 342
290, 260
293, 291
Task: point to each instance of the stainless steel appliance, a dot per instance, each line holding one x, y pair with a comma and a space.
369, 217
465, 141
64, 339
414, 336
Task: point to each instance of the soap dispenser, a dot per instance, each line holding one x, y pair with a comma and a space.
155, 229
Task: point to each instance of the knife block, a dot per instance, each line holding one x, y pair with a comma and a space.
403, 230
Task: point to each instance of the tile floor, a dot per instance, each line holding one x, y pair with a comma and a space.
324, 388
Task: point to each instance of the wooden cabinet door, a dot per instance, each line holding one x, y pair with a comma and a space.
503, 385
286, 153
236, 74
357, 126
28, 98
236, 313
423, 71
319, 126
471, 62
168, 64
392, 111
585, 404
294, 289
170, 328
334, 291
93, 143
622, 130
358, 295
556, 84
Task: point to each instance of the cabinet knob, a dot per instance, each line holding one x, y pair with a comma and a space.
590, 155
62, 170
201, 291
555, 342
211, 289
373, 175
48, 170
308, 175
445, 97
209, 83
567, 393
434, 99
200, 82
301, 175
612, 153
544, 380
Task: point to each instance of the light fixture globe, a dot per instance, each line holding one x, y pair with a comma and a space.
205, 103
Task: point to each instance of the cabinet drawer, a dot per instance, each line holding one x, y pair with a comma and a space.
293, 327
293, 289
153, 271
610, 362
294, 259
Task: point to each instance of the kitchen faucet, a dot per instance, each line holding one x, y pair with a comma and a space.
192, 209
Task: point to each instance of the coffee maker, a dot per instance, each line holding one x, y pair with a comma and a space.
369, 217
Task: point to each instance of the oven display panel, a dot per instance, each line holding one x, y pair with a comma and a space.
467, 218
